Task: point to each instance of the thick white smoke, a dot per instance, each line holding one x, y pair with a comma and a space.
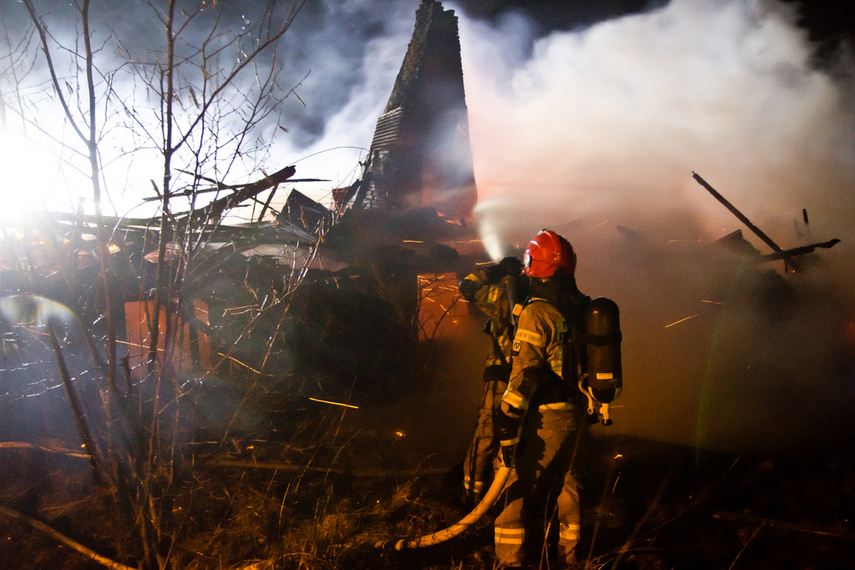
621, 113
596, 135
347, 132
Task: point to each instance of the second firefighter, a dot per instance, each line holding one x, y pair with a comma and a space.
494, 290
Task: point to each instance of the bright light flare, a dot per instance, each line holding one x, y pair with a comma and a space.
26, 181
33, 309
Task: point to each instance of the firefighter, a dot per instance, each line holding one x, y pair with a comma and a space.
541, 425
493, 290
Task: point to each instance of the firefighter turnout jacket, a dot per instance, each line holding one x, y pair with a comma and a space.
541, 351
543, 426
491, 293
491, 290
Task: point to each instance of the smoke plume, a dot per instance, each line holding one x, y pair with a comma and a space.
595, 133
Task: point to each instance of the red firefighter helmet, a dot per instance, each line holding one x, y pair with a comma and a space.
547, 253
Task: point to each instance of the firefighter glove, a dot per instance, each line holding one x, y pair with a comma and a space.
507, 428
508, 266
511, 266
495, 273
506, 453
507, 423
468, 288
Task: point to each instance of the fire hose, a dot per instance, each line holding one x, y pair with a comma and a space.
490, 498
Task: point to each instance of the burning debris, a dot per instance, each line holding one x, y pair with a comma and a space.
299, 293
789, 263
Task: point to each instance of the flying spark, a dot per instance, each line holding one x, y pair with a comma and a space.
680, 321
334, 403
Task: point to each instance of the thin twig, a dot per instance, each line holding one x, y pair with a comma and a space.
56, 535
744, 546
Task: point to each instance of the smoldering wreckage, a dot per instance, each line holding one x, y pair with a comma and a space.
284, 329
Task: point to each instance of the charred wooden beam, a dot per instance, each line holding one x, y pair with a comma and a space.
741, 217
217, 187
787, 253
216, 208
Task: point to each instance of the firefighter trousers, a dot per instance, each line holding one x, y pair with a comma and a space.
543, 483
478, 463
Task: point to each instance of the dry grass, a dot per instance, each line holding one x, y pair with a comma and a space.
312, 501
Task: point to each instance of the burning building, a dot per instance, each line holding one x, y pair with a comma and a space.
414, 201
420, 154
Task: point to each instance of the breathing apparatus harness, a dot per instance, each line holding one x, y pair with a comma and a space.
595, 342
595, 336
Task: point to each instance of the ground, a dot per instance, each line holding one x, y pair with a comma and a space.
325, 492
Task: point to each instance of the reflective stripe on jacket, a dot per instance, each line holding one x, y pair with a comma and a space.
538, 351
